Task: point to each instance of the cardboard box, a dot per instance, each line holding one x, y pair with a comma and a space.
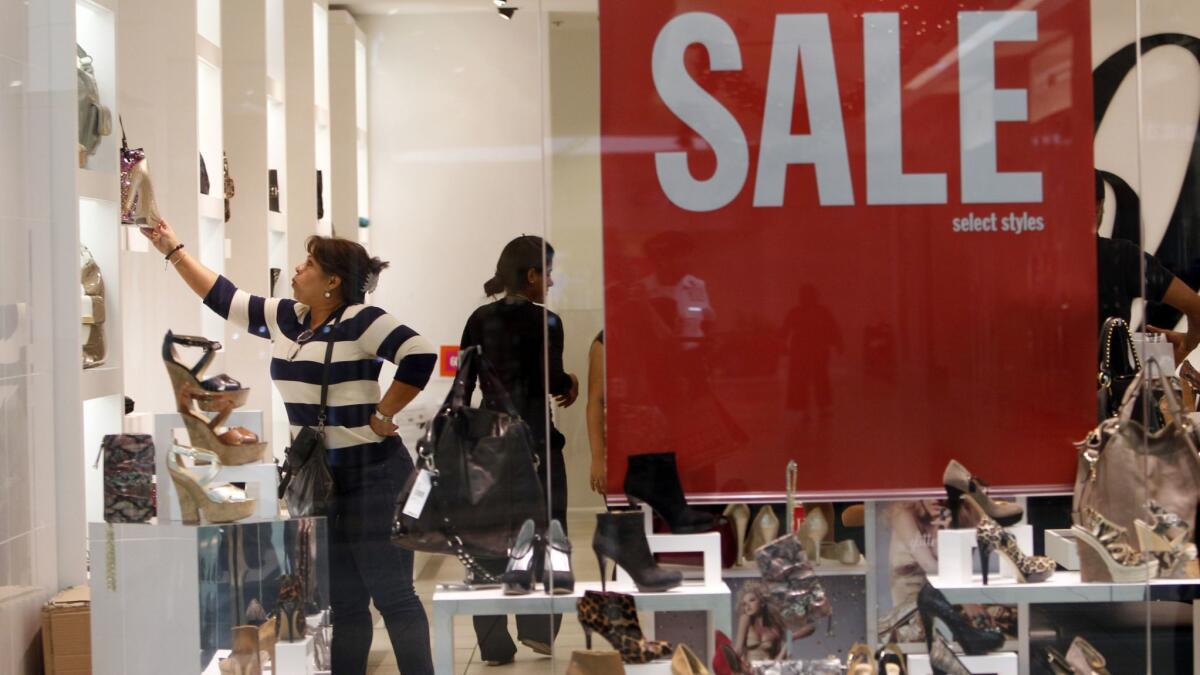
67, 632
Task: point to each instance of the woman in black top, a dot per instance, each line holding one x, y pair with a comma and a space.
523, 341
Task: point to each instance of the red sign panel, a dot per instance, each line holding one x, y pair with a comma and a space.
856, 234
448, 361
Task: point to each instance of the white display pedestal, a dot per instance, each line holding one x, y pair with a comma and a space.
1066, 587
262, 480
1061, 547
958, 550
294, 658
710, 595
149, 608
715, 600
1003, 663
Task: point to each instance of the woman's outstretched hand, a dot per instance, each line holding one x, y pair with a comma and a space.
162, 236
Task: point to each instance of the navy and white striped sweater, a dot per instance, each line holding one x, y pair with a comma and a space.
363, 338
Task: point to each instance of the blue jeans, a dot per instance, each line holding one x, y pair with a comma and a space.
366, 566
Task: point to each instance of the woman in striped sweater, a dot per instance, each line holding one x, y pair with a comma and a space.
368, 461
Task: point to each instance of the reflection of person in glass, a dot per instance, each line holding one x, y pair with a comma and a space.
368, 460
1119, 278
760, 634
597, 440
812, 336
678, 319
512, 333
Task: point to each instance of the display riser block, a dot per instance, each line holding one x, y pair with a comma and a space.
957, 552
262, 480
1061, 547
1004, 663
294, 658
148, 621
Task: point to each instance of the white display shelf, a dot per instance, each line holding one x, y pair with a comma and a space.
99, 185
102, 381
1000, 663
276, 222
208, 52
211, 206
321, 115
715, 600
1063, 587
828, 568
656, 668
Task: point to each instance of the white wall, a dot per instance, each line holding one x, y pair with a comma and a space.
456, 160
38, 233
459, 114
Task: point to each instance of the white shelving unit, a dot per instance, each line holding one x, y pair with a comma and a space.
348, 121
210, 142
99, 195
323, 133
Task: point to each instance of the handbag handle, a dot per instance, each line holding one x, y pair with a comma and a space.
1132, 393
1116, 328
487, 374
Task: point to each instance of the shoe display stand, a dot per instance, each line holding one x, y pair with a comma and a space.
709, 595
957, 552
261, 479
157, 589
1065, 587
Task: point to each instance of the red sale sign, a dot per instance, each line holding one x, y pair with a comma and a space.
857, 234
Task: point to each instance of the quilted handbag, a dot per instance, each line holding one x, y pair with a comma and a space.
793, 590
1123, 465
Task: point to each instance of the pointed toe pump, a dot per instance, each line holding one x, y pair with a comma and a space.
621, 538
961, 484
812, 532
558, 578
198, 496
739, 514
518, 576
933, 605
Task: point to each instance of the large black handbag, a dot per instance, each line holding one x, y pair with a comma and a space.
476, 479
306, 483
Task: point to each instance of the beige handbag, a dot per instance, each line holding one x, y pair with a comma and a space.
92, 312
1122, 466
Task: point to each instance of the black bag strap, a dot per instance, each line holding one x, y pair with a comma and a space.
473, 356
336, 317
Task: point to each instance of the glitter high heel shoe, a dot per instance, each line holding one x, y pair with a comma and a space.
137, 193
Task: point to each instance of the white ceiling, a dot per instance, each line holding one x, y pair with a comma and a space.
392, 7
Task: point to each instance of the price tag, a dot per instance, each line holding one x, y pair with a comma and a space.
420, 492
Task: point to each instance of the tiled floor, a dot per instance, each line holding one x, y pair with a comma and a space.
441, 569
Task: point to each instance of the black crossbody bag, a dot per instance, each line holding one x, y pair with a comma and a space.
306, 483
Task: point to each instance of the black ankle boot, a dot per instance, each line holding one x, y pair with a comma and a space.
654, 479
974, 641
621, 538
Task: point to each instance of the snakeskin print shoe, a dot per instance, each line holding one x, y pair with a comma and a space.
1106, 556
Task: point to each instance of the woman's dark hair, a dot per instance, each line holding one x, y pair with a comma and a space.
518, 257
350, 262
